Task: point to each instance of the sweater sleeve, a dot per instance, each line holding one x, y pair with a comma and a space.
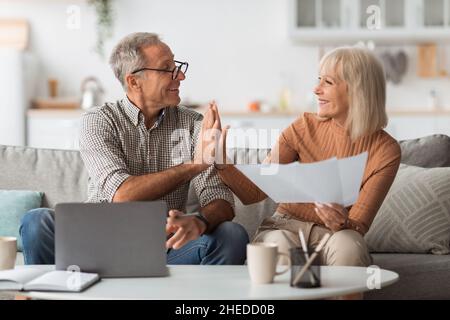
241, 186
375, 189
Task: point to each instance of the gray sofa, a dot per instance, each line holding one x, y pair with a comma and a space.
61, 175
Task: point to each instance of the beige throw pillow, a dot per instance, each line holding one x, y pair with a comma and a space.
415, 216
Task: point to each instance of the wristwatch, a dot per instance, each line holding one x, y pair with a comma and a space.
201, 217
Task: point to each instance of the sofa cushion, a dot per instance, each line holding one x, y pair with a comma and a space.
60, 174
415, 216
13, 205
427, 152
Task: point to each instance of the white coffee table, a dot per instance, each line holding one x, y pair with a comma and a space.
189, 282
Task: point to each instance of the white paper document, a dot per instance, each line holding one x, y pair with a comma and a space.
329, 181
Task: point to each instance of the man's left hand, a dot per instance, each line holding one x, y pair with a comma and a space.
334, 216
186, 228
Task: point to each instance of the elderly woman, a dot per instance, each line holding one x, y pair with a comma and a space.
351, 92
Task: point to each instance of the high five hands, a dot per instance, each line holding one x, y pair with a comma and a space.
211, 141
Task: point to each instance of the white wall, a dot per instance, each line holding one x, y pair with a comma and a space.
238, 50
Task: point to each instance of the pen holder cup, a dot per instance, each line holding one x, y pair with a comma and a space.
311, 276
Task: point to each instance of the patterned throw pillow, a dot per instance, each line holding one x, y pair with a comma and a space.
415, 216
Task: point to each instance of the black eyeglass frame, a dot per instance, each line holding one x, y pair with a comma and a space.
174, 74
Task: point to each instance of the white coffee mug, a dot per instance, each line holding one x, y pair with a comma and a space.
8, 252
262, 259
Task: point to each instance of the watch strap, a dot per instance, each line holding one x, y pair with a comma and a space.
201, 217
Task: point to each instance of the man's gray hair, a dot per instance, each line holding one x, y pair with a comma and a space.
127, 54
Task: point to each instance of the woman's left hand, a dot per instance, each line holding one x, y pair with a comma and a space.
334, 216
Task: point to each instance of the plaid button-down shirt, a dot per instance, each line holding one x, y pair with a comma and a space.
115, 144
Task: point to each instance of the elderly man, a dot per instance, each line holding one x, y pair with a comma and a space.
143, 148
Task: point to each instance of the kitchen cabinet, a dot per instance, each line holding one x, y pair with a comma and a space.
53, 129
436, 13
412, 125
384, 21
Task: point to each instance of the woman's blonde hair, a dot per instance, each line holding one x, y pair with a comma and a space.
366, 85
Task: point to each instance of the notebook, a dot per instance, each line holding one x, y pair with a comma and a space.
38, 279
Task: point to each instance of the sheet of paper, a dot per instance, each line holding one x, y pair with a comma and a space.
329, 181
351, 171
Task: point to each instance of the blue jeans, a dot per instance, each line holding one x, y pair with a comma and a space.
226, 245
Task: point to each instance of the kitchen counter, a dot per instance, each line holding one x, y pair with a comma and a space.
55, 113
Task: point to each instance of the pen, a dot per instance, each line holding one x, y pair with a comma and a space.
312, 276
311, 258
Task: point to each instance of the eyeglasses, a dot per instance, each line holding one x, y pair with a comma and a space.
179, 66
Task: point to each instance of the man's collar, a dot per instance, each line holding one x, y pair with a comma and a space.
160, 118
132, 111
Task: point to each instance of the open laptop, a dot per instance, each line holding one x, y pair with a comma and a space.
112, 239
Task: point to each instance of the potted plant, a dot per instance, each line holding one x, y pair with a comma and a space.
105, 21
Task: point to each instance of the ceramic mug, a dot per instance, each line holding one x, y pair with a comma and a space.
8, 252
262, 259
